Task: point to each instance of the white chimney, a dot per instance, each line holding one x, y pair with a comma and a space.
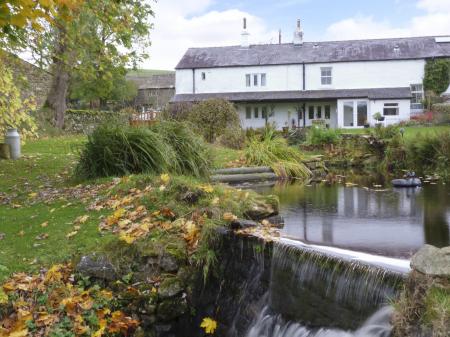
245, 36
298, 34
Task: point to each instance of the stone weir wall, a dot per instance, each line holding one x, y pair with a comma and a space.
303, 286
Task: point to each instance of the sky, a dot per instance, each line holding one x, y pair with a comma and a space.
181, 24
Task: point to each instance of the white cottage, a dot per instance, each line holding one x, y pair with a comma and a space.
339, 83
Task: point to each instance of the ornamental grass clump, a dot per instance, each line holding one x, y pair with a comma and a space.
272, 150
114, 150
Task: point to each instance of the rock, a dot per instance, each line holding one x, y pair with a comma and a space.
276, 221
170, 287
191, 197
262, 208
168, 263
171, 308
97, 266
432, 261
242, 224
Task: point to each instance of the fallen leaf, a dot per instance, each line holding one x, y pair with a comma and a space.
209, 325
44, 224
71, 234
165, 178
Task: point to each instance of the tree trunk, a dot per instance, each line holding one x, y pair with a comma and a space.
60, 83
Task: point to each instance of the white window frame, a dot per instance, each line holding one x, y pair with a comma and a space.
263, 79
417, 93
326, 75
391, 106
248, 80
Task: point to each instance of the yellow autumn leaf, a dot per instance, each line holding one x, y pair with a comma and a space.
207, 188
215, 201
21, 233
81, 219
32, 195
127, 238
44, 224
71, 234
209, 325
3, 297
165, 178
162, 188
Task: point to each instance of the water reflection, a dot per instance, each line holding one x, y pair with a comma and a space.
395, 222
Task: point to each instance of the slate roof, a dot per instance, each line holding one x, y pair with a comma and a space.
315, 52
164, 81
274, 96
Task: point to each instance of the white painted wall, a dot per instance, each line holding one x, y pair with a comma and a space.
374, 74
374, 106
183, 81
284, 113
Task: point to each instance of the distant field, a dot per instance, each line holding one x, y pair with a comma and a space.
148, 72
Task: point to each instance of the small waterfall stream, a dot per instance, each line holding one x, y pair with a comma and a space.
314, 294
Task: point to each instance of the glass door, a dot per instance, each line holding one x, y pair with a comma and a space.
362, 113
348, 114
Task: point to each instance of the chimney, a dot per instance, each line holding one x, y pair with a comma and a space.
298, 34
279, 36
245, 36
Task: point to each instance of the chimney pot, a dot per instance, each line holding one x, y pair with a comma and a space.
298, 34
245, 23
245, 36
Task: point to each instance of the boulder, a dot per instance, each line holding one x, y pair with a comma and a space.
432, 261
242, 224
171, 309
170, 287
262, 208
97, 266
168, 263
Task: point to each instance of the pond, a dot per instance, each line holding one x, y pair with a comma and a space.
366, 216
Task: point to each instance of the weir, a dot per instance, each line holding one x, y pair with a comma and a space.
289, 289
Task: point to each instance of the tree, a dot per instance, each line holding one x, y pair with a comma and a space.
14, 111
102, 35
212, 117
437, 75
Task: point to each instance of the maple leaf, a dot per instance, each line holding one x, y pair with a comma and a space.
81, 219
209, 325
127, 238
71, 234
44, 224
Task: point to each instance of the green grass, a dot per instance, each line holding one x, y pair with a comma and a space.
410, 131
223, 156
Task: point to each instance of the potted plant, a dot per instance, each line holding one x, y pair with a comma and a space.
378, 117
366, 124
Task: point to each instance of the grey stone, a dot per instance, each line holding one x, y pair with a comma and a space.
276, 221
171, 309
432, 261
242, 224
97, 266
168, 263
170, 287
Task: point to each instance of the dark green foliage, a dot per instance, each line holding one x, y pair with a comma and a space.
233, 138
192, 157
114, 150
431, 154
322, 136
437, 75
212, 117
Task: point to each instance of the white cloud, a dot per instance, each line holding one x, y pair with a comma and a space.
181, 24
435, 21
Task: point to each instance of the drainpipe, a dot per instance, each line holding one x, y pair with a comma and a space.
193, 81
304, 77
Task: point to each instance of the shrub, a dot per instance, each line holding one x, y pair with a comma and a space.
212, 117
441, 113
385, 133
272, 150
233, 138
176, 111
297, 136
322, 136
114, 150
437, 75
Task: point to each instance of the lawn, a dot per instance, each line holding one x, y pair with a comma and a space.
411, 132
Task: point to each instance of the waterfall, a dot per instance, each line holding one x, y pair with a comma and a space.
270, 325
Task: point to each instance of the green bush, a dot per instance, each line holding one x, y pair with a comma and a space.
437, 75
272, 150
385, 133
441, 113
322, 136
114, 150
431, 154
212, 117
233, 138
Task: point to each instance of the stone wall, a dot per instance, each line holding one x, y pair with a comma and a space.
85, 121
32, 80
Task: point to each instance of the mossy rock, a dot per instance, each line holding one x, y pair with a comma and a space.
171, 309
170, 287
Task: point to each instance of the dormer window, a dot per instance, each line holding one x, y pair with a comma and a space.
326, 75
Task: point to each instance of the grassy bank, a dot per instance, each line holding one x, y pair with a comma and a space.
411, 132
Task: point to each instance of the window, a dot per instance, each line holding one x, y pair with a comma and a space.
417, 96
311, 112
326, 77
348, 113
248, 112
264, 112
255, 80
263, 80
203, 76
327, 112
319, 112
390, 109
256, 112
248, 80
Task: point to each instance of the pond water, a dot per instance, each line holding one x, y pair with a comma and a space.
380, 220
